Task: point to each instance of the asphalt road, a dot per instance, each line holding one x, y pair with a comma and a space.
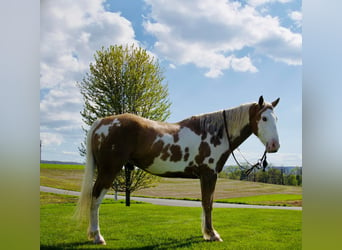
169, 202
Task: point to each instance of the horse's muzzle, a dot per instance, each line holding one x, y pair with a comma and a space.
272, 146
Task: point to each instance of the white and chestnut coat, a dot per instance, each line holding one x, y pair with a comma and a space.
196, 147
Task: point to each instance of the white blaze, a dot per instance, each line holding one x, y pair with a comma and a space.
267, 129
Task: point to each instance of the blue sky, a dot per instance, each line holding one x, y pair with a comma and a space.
215, 54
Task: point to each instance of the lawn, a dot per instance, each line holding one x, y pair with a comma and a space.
70, 177
147, 226
271, 199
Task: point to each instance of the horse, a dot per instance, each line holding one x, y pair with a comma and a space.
196, 147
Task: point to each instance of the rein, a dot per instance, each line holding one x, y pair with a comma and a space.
261, 162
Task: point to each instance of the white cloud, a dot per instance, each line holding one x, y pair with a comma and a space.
50, 139
297, 17
71, 32
209, 33
262, 2
70, 153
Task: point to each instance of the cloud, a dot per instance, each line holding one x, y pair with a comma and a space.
50, 139
60, 108
211, 33
297, 17
71, 32
70, 153
262, 2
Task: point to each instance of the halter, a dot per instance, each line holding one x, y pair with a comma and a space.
261, 162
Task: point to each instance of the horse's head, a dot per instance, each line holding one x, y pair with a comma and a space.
265, 127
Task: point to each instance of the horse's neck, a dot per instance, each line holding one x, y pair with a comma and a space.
238, 125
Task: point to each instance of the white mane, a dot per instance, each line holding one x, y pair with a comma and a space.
237, 118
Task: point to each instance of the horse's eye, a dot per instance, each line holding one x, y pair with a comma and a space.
264, 119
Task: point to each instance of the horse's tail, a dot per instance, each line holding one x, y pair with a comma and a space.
82, 212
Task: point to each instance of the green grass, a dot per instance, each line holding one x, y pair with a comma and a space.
70, 177
271, 199
146, 226
61, 166
61, 176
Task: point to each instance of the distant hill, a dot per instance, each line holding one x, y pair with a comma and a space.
62, 162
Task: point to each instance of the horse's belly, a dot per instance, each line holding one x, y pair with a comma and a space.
161, 167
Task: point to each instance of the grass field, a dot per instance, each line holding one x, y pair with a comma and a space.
271, 199
70, 177
146, 226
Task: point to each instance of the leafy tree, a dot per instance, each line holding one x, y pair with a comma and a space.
291, 180
137, 180
123, 79
262, 176
299, 179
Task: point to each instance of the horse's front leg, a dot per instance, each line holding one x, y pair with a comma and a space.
208, 182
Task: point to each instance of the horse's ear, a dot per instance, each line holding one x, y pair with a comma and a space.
261, 101
274, 103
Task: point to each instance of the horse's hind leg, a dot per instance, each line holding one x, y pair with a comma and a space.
94, 227
103, 182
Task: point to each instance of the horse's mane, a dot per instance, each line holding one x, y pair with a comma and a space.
237, 118
211, 122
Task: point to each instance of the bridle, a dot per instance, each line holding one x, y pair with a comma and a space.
262, 163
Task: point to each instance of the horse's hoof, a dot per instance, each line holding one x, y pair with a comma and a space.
216, 238
213, 236
101, 242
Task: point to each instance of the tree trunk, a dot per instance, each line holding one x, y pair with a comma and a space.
128, 168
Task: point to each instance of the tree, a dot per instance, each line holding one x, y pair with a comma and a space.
123, 79
291, 180
137, 179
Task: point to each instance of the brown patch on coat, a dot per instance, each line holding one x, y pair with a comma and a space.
187, 154
203, 152
190, 172
222, 160
217, 137
204, 135
156, 148
245, 132
175, 137
254, 117
165, 152
176, 153
255, 112
193, 123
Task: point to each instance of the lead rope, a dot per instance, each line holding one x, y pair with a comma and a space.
262, 162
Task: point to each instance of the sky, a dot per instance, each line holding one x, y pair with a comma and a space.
215, 54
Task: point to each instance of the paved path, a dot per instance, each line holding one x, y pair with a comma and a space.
169, 202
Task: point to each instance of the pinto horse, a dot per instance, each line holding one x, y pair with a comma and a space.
196, 147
